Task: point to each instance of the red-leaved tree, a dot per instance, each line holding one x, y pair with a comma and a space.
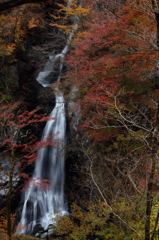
114, 64
18, 146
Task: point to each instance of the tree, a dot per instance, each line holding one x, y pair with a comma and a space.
116, 62
97, 222
15, 144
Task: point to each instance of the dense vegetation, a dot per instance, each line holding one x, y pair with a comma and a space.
113, 67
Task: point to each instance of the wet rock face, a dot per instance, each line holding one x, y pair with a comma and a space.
41, 233
32, 92
4, 182
2, 200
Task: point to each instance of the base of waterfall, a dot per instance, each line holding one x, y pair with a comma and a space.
42, 233
42, 227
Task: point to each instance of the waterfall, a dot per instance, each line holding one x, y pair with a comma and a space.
41, 206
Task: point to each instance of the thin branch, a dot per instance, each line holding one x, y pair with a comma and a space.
104, 199
15, 3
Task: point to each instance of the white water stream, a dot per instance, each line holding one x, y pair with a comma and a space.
41, 205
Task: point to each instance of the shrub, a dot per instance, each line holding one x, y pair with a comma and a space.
4, 236
98, 222
23, 237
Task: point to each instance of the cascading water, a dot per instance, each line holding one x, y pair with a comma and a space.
40, 206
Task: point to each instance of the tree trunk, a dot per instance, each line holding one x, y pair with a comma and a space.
9, 195
149, 198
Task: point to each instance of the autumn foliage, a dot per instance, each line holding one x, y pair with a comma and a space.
113, 66
18, 150
115, 58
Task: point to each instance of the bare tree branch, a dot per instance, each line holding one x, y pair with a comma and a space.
15, 3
